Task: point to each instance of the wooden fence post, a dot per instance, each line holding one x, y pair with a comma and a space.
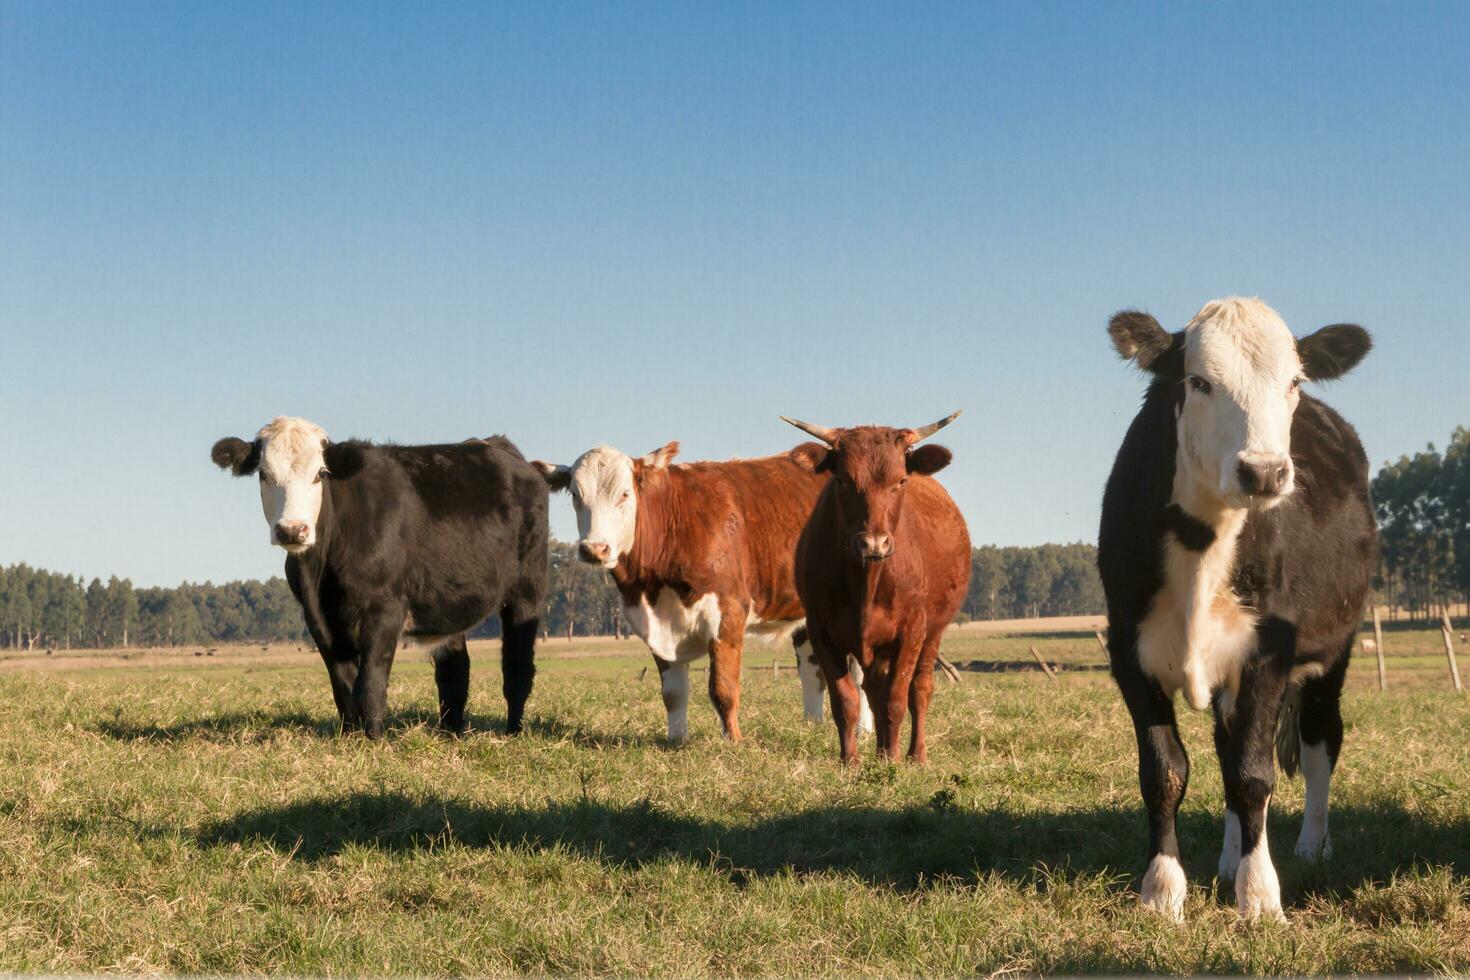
1378, 645
1448, 631
1044, 665
1103, 643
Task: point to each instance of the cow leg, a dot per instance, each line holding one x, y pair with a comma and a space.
900, 681
1321, 743
865, 712
452, 677
813, 687
370, 690
342, 672
674, 677
875, 686
845, 697
1249, 768
517, 664
725, 652
1230, 846
1163, 776
921, 689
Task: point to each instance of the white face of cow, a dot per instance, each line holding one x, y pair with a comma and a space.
292, 467
605, 498
288, 456
606, 503
1242, 384
1239, 374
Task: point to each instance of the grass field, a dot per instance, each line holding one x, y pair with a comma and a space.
173, 813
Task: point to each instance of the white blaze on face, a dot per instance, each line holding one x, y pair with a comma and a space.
605, 501
1240, 394
292, 466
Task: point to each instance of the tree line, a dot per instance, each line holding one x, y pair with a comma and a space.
1422, 501
47, 610
1423, 504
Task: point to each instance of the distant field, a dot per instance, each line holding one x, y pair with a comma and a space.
175, 813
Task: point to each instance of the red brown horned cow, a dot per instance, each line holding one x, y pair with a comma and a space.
701, 553
882, 568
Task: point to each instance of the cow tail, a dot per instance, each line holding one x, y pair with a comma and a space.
1289, 732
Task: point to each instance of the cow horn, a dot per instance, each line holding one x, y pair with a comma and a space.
829, 436
919, 435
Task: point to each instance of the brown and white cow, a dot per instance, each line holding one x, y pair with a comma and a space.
882, 568
701, 553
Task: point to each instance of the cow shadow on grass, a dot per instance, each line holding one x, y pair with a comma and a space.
229, 725
905, 848
233, 725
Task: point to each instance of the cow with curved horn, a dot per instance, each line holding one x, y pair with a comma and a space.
882, 567
1236, 548
701, 554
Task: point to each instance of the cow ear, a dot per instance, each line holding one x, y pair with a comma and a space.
344, 459
556, 477
812, 457
236, 455
660, 458
1333, 351
928, 460
1137, 337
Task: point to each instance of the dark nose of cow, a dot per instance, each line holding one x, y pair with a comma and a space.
291, 532
873, 546
1264, 476
593, 554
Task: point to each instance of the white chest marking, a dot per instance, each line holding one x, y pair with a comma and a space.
1197, 634
675, 632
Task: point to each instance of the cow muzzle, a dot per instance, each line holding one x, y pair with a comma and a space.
872, 547
292, 534
1262, 475
594, 552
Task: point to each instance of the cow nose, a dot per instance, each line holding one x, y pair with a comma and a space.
594, 553
291, 532
873, 546
1263, 476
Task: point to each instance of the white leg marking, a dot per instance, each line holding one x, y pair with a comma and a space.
676, 700
1230, 850
865, 715
813, 689
1315, 844
1164, 888
1257, 891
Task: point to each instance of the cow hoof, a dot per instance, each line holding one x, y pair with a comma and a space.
1265, 914
1257, 891
1164, 888
1314, 850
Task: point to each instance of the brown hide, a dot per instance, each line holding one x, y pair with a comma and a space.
727, 528
890, 614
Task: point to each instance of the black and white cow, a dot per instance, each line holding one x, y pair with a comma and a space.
1236, 549
412, 543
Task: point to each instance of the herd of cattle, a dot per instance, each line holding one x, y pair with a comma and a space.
1236, 547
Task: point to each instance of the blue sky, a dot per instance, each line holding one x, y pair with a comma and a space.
635, 223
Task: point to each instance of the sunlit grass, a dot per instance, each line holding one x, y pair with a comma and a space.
200, 817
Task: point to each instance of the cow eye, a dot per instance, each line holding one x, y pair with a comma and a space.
1296, 384
623, 498
321, 474
1199, 384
